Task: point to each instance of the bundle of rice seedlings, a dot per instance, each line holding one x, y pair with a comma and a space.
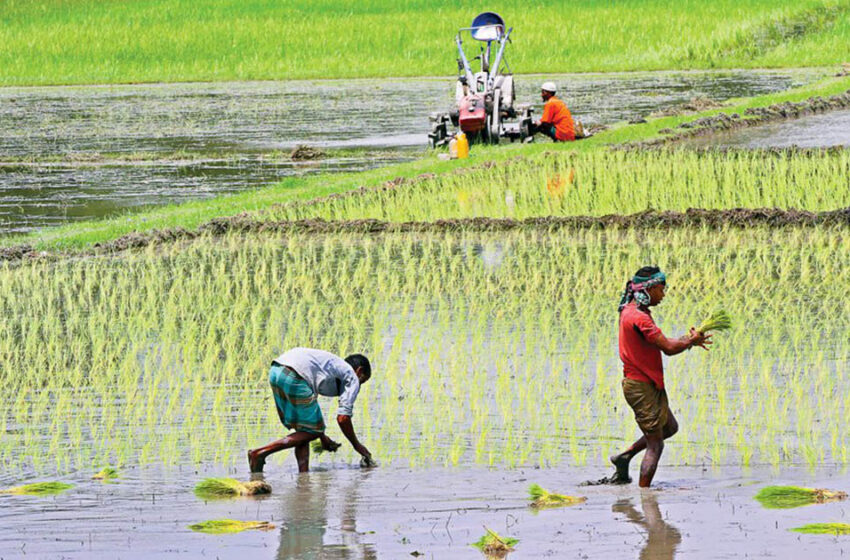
824, 529
317, 447
38, 489
783, 497
541, 498
227, 526
719, 321
106, 473
494, 544
217, 488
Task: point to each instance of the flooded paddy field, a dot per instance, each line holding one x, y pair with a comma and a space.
339, 512
813, 131
70, 153
495, 366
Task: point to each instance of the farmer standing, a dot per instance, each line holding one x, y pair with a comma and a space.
641, 344
297, 377
556, 121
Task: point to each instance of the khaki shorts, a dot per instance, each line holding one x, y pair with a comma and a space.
648, 402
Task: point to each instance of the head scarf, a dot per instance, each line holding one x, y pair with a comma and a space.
636, 289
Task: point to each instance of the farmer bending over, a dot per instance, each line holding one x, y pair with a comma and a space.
556, 122
641, 344
297, 378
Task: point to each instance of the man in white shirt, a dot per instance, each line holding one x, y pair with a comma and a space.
298, 377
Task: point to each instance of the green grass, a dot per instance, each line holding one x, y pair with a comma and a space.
264, 201
110, 41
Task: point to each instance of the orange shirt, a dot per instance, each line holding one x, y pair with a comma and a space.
555, 112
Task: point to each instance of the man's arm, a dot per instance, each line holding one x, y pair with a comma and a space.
673, 346
347, 429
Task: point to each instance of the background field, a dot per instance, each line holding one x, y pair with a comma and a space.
108, 41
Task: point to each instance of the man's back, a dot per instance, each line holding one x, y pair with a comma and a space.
555, 111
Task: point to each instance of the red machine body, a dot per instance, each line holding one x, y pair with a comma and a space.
472, 114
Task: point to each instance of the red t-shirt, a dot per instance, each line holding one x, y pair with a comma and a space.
641, 359
555, 112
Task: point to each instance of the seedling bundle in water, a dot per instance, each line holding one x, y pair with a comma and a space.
218, 488
784, 497
318, 448
824, 529
719, 321
227, 526
541, 498
38, 489
106, 473
493, 544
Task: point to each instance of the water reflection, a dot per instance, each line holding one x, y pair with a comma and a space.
309, 514
662, 539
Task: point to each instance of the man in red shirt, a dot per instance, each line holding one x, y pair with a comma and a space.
641, 345
556, 121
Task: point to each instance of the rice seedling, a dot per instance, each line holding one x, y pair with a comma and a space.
718, 321
38, 489
493, 544
161, 356
317, 447
824, 529
784, 497
106, 474
541, 498
600, 182
229, 526
217, 488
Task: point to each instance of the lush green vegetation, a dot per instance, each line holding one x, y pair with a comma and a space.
161, 356
267, 200
108, 41
786, 497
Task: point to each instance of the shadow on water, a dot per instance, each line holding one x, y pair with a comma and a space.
662, 539
307, 514
157, 144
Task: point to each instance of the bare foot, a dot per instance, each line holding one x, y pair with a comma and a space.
621, 463
255, 461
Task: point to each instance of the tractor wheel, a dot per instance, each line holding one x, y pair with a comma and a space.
494, 124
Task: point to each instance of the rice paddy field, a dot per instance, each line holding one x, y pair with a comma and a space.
88, 41
483, 291
494, 357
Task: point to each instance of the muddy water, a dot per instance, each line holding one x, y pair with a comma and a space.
339, 512
69, 153
815, 131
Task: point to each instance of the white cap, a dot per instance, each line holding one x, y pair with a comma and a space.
549, 86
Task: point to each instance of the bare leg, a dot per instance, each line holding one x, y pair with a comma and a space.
257, 457
621, 460
302, 455
654, 449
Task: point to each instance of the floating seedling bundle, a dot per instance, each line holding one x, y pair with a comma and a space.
38, 489
228, 526
542, 499
106, 474
218, 488
494, 545
784, 497
824, 529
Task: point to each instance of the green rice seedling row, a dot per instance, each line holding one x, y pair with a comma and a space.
490, 349
603, 182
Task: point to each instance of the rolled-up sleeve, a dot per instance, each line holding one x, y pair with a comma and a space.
350, 389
